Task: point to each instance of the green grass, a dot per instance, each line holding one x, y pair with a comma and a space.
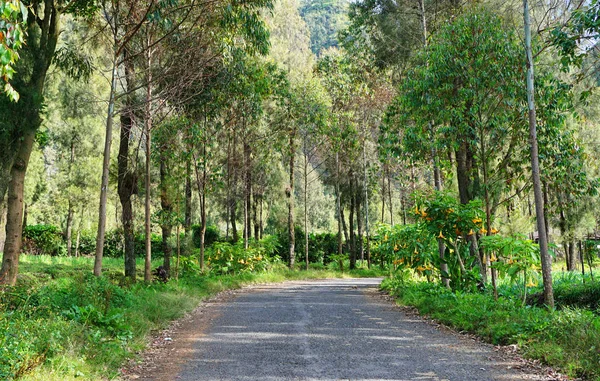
568, 339
62, 323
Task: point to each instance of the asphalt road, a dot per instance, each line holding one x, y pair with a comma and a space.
334, 330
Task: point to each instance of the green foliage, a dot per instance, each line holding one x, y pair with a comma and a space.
227, 258
43, 239
513, 256
320, 246
13, 18
211, 235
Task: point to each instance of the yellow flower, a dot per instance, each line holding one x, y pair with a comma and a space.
477, 220
259, 258
493, 258
441, 235
396, 248
385, 238
471, 232
420, 268
423, 213
450, 210
531, 284
494, 231
417, 210
483, 230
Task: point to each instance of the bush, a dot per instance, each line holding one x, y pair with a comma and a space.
140, 246
320, 246
227, 258
43, 239
211, 235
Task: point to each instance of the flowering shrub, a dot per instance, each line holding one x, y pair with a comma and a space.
225, 258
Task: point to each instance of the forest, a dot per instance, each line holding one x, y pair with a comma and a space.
160, 151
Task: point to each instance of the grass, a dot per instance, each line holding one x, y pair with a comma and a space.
567, 338
62, 323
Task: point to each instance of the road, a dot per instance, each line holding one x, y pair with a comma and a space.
332, 330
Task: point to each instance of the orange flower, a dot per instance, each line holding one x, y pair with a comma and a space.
494, 231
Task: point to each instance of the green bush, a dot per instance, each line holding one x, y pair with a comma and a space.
320, 246
43, 239
211, 235
140, 245
227, 258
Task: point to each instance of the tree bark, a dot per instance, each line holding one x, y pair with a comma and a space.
147, 131
167, 211
290, 196
359, 226
126, 179
351, 226
105, 170
535, 168
14, 215
338, 201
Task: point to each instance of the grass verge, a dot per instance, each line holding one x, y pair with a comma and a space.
62, 323
568, 339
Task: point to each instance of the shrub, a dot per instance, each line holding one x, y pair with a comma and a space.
211, 235
320, 246
227, 258
140, 245
43, 239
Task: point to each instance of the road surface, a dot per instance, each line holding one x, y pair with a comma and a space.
325, 330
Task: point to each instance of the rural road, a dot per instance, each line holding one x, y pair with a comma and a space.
330, 330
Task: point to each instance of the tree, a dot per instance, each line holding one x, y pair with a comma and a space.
24, 118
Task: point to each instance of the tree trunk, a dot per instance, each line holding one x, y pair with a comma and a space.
247, 193
14, 215
105, 169
390, 198
345, 228
535, 169
167, 211
147, 130
366, 187
187, 223
290, 195
383, 193
2, 224
69, 228
255, 201
351, 227
126, 179
305, 175
338, 201
359, 227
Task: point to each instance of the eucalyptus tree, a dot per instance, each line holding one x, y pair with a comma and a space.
21, 120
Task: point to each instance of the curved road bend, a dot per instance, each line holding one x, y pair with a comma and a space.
333, 330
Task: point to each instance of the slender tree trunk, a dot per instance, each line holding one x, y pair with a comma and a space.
14, 214
167, 211
366, 187
290, 196
187, 223
126, 179
255, 201
345, 229
535, 169
359, 226
260, 222
105, 169
352, 240
390, 198
2, 224
383, 193
338, 201
69, 228
148, 128
247, 193
305, 202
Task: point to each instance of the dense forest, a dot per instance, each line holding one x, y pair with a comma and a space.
455, 141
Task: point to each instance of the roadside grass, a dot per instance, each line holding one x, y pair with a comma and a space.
567, 338
62, 323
